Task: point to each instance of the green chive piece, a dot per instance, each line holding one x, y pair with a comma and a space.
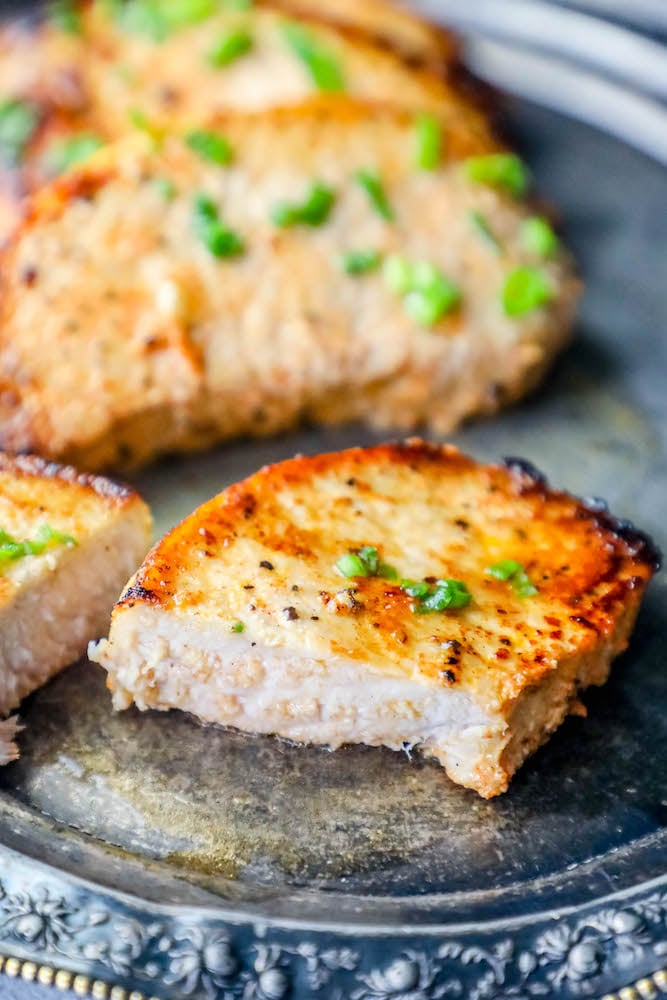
397, 273
428, 307
65, 16
509, 570
229, 48
416, 588
209, 146
360, 261
165, 187
352, 565
46, 538
370, 555
523, 585
218, 238
387, 572
499, 170
314, 211
428, 295
365, 562
538, 237
442, 596
183, 13
157, 19
18, 124
429, 141
65, 153
238, 627
481, 225
373, 187
525, 289
141, 17
322, 64
504, 570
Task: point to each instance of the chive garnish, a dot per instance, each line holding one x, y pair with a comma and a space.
229, 48
322, 64
538, 237
499, 170
429, 597
428, 295
157, 19
525, 289
65, 16
511, 571
372, 185
141, 17
47, 537
439, 596
365, 562
429, 141
398, 274
238, 627
481, 225
428, 305
209, 146
312, 212
65, 153
360, 261
18, 124
218, 238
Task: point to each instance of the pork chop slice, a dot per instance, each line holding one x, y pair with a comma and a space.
401, 595
68, 543
297, 263
65, 91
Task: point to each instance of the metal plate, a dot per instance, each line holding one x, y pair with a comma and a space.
180, 860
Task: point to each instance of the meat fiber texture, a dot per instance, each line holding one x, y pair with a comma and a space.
53, 602
242, 615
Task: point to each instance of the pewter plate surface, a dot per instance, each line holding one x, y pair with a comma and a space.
156, 805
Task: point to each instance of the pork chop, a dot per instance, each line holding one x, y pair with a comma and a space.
69, 85
68, 543
297, 263
401, 595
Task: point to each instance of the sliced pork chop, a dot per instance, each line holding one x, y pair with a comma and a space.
62, 92
155, 301
68, 543
400, 595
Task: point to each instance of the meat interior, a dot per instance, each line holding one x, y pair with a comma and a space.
160, 662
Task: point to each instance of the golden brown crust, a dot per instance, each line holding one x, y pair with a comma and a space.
32, 466
579, 605
72, 81
166, 368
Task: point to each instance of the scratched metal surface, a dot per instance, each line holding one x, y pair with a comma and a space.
157, 805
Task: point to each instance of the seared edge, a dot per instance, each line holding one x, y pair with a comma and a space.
632, 549
39, 468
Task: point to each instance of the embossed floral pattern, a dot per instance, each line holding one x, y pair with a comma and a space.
40, 920
194, 956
